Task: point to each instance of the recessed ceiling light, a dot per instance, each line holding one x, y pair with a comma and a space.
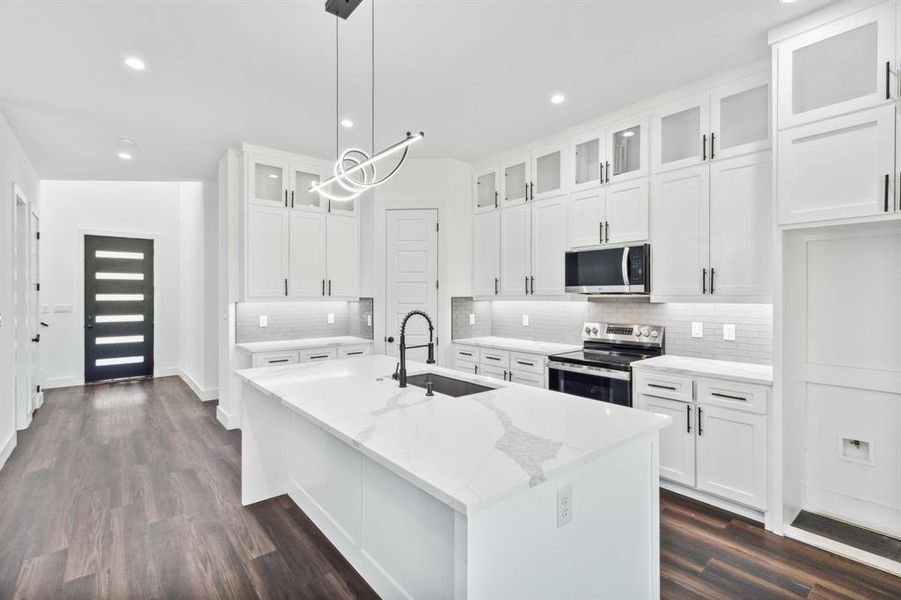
135, 63
558, 99
124, 155
787, 1
347, 123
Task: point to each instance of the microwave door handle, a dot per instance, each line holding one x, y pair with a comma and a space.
626, 266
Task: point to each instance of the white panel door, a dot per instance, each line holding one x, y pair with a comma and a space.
740, 116
516, 245
548, 247
741, 226
267, 181
837, 169
677, 442
515, 178
342, 256
680, 232
486, 254
626, 214
267, 252
411, 270
681, 133
307, 259
587, 155
731, 455
34, 313
586, 218
548, 173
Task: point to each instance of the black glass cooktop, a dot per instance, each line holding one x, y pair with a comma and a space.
600, 358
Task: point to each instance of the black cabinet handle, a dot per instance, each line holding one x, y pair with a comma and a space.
687, 418
888, 80
700, 422
712, 273
532, 191
601, 180
662, 387
319, 356
275, 362
292, 198
729, 397
329, 287
323, 287
495, 198
601, 232
703, 281
712, 145
704, 146
286, 286
492, 357
465, 353
286, 198
527, 191
527, 284
496, 281
533, 284
608, 172
475, 369
886, 193
44, 324
357, 353
607, 231
525, 364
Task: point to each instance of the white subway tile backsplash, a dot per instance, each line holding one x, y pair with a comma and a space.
300, 320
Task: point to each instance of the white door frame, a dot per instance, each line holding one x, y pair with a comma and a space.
21, 255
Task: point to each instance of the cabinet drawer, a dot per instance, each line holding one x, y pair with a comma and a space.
527, 378
665, 386
271, 359
467, 353
467, 366
493, 372
495, 358
532, 363
731, 394
352, 351
318, 355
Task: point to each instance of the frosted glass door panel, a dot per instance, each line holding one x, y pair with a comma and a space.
267, 182
343, 206
516, 180
679, 137
740, 116
486, 190
588, 167
627, 151
303, 197
547, 173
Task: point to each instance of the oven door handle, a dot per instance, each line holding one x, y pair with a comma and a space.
626, 265
610, 373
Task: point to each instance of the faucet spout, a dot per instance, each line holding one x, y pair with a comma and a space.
402, 374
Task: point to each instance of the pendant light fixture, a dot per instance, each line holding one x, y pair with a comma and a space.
355, 170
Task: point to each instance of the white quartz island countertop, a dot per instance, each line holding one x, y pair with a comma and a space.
686, 365
468, 452
300, 344
516, 345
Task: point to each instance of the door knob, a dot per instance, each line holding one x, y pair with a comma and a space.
390, 339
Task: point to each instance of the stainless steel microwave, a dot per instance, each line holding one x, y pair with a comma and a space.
609, 271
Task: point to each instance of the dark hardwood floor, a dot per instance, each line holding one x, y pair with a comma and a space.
132, 490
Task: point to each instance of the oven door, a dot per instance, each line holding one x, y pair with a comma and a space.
606, 385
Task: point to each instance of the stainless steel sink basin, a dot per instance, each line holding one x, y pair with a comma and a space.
441, 384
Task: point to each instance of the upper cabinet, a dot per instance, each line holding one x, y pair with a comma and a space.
486, 189
627, 150
682, 133
842, 66
267, 181
515, 180
302, 176
548, 173
588, 155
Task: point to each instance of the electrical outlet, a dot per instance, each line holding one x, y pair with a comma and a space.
729, 332
564, 505
331, 318
264, 321
525, 320
697, 329
472, 319
368, 320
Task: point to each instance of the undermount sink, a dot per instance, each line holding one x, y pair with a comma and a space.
449, 386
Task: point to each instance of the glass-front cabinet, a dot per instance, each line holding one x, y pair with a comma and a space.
547, 172
740, 116
627, 150
486, 189
588, 152
300, 197
515, 181
267, 181
840, 67
682, 134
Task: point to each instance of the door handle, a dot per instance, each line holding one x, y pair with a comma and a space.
390, 339
36, 338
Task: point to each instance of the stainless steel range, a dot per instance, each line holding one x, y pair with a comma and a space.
601, 370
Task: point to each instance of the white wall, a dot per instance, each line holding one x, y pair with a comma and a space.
15, 168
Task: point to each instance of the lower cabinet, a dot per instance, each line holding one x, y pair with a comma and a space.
717, 441
308, 355
518, 367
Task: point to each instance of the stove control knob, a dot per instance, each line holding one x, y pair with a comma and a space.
646, 333
637, 333
588, 330
594, 330
655, 334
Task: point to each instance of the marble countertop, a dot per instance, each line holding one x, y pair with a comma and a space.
279, 345
734, 371
467, 452
501, 343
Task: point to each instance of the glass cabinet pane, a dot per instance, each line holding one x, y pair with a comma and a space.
515, 182
547, 176
486, 186
680, 136
587, 159
836, 69
342, 205
627, 150
744, 117
268, 184
302, 194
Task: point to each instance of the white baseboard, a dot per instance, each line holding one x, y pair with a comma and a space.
880, 562
8, 448
727, 505
204, 394
61, 382
228, 421
166, 372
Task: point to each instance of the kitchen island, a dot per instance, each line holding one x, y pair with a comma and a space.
514, 492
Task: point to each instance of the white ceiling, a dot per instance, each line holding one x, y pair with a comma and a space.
475, 76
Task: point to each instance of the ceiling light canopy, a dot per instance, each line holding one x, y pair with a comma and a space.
134, 63
558, 99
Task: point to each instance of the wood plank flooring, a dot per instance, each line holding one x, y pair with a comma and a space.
132, 490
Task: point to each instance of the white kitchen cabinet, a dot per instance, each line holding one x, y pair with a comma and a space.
486, 254
343, 256
740, 117
516, 176
677, 442
354, 351
486, 189
839, 168
845, 65
317, 354
627, 150
516, 255
267, 181
274, 359
548, 237
307, 271
731, 455
548, 173
681, 133
301, 177
588, 153
267, 250
516, 366
586, 218
626, 211
527, 378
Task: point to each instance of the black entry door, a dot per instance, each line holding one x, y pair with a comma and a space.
118, 307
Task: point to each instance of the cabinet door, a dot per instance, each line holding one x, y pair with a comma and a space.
839, 168
731, 455
486, 190
302, 176
493, 372
548, 247
527, 378
267, 252
516, 244
740, 117
307, 259
741, 226
267, 181
486, 254
680, 232
588, 153
586, 218
547, 173
627, 212
682, 133
627, 150
677, 441
343, 256
838, 68
515, 182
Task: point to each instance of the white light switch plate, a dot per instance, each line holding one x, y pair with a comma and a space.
525, 320
472, 319
331, 318
264, 321
729, 332
697, 329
